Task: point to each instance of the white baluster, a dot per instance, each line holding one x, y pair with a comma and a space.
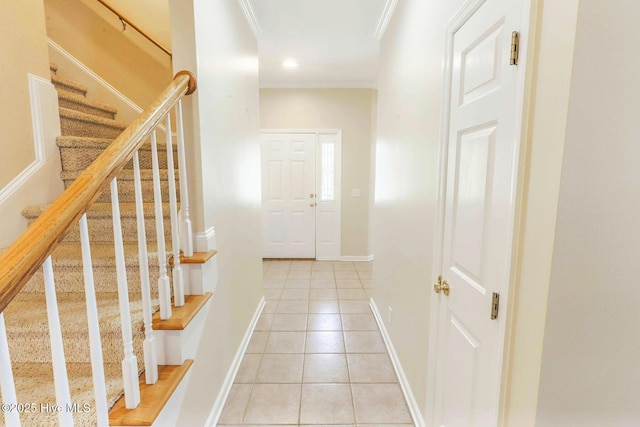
185, 230
150, 355
130, 362
163, 282
95, 344
60, 379
7, 384
178, 282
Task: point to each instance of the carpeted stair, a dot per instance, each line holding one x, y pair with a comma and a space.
87, 128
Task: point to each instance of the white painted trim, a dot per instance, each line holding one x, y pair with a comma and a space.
309, 131
402, 378
204, 241
252, 20
385, 18
356, 258
36, 85
347, 84
218, 406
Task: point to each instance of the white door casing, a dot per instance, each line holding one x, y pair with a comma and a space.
479, 173
288, 195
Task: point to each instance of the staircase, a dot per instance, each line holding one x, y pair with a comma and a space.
87, 127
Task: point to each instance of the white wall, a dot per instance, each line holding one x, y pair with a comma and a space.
409, 95
350, 110
213, 40
591, 361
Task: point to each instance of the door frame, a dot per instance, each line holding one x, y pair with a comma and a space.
506, 317
319, 231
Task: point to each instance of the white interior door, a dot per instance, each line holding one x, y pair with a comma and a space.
482, 150
288, 195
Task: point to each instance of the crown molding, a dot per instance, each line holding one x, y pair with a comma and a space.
385, 18
250, 15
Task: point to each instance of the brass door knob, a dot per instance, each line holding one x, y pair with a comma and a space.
441, 286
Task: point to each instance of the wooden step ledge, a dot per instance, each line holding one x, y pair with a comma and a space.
197, 258
152, 397
181, 316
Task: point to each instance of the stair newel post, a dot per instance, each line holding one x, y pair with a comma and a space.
95, 343
186, 228
149, 346
163, 282
130, 362
7, 383
178, 281
60, 378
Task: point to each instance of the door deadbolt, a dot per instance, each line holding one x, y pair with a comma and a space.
312, 195
441, 286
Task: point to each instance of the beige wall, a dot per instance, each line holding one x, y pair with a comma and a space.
346, 109
590, 368
94, 36
224, 169
24, 50
407, 150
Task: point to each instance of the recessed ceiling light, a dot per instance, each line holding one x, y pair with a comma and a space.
290, 63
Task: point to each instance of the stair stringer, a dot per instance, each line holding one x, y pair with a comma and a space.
176, 346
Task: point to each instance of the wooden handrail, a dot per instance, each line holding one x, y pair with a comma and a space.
135, 27
25, 256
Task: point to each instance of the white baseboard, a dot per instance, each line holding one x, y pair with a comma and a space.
204, 241
418, 421
357, 258
218, 406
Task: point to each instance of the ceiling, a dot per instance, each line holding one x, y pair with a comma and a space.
335, 42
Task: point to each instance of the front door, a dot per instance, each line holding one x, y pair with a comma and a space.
288, 195
482, 153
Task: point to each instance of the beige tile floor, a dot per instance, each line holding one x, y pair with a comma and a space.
316, 356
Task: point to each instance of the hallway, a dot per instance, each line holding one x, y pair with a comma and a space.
316, 356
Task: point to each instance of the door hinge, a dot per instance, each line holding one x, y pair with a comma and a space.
515, 48
495, 305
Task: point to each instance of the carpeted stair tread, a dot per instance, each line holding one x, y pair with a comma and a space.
80, 103
124, 175
69, 85
103, 210
126, 189
34, 383
102, 254
26, 320
74, 122
78, 152
100, 221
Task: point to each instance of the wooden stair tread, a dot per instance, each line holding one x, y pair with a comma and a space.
153, 397
181, 316
197, 258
